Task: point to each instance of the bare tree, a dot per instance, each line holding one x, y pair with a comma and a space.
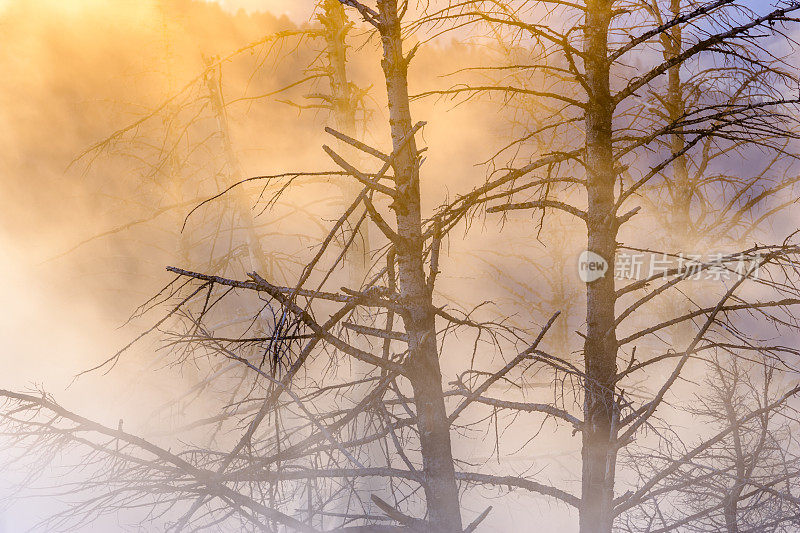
581, 64
294, 436
305, 444
742, 479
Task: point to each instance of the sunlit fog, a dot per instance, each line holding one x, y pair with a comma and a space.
399, 266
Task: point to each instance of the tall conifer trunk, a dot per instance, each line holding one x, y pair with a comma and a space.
258, 259
336, 27
600, 347
676, 108
424, 372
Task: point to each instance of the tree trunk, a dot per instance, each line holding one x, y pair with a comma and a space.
258, 260
425, 375
600, 347
676, 108
730, 504
336, 26
680, 237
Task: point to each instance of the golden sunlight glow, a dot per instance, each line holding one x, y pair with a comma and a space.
297, 10
266, 263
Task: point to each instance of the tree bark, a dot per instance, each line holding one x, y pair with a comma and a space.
441, 491
730, 505
258, 259
600, 346
681, 234
676, 109
335, 24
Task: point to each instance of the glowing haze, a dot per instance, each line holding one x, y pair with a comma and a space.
296, 10
92, 211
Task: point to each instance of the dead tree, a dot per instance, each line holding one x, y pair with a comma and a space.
287, 448
344, 101
229, 239
297, 433
581, 51
743, 480
242, 206
159, 139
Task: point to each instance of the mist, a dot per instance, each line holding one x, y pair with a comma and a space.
293, 266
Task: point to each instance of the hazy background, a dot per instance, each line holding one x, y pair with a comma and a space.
84, 242
73, 265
